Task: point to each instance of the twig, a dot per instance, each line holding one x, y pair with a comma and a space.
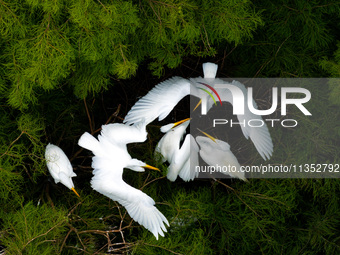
88, 116
72, 210
44, 233
153, 180
15, 140
157, 246
113, 115
225, 185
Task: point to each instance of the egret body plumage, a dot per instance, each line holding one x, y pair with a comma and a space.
59, 166
160, 101
110, 158
216, 152
179, 157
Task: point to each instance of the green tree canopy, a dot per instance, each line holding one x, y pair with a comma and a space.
67, 67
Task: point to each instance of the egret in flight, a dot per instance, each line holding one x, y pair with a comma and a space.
110, 158
182, 159
216, 152
160, 101
59, 166
260, 136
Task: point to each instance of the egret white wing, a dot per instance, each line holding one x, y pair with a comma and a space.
260, 136
188, 171
140, 206
179, 160
143, 210
119, 133
159, 101
89, 142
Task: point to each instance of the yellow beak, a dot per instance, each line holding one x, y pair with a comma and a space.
75, 191
198, 104
180, 122
151, 167
211, 137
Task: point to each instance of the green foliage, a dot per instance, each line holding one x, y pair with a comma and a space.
24, 236
295, 36
51, 7
2, 87
333, 68
82, 43
21, 157
175, 28
263, 216
9, 19
67, 67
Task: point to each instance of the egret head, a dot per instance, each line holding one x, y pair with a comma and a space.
151, 167
217, 152
209, 142
67, 181
180, 122
139, 166
211, 137
172, 126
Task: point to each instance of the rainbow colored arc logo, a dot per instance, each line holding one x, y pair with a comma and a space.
211, 95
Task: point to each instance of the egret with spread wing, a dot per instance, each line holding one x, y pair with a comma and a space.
59, 166
260, 136
110, 158
160, 101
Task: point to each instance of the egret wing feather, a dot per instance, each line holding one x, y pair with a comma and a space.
111, 157
179, 160
159, 101
124, 134
260, 136
188, 172
139, 205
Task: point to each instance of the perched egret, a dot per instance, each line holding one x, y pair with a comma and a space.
217, 153
110, 158
160, 101
59, 166
179, 157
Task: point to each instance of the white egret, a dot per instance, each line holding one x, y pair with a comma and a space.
160, 100
59, 166
110, 158
217, 153
182, 159
260, 136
